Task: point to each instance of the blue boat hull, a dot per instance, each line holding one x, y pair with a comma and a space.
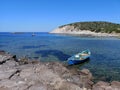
73, 62
79, 57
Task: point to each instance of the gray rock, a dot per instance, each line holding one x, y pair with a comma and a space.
13, 85
101, 86
57, 68
87, 73
46, 76
10, 64
6, 74
115, 85
3, 88
70, 86
39, 87
86, 78
4, 58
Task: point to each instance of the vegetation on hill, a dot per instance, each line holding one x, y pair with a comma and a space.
97, 26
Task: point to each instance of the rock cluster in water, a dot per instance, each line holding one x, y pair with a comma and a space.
21, 74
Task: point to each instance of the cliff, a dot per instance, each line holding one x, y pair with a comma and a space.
89, 28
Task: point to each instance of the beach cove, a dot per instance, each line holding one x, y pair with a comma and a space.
104, 61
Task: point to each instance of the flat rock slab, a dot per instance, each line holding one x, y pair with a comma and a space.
7, 74
4, 58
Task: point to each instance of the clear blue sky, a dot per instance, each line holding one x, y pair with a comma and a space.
46, 15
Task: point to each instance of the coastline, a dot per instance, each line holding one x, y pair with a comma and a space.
70, 30
20, 74
87, 33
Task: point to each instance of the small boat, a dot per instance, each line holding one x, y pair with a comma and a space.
33, 34
79, 57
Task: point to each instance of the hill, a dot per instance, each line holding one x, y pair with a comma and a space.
96, 27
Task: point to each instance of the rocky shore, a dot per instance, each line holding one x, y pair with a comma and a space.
24, 74
71, 30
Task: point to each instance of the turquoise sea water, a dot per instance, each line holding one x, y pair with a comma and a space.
104, 62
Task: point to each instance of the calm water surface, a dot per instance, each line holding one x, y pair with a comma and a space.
104, 62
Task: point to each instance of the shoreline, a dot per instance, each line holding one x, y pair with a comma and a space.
70, 30
87, 33
33, 75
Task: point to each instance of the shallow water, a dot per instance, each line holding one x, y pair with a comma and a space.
104, 62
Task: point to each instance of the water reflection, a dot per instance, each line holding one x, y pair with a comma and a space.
59, 54
30, 47
2, 45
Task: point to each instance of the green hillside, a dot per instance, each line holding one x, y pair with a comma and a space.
97, 26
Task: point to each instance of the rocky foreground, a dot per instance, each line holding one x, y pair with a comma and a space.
22, 74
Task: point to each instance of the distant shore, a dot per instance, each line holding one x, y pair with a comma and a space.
70, 30
87, 33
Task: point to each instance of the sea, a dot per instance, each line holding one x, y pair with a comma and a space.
104, 62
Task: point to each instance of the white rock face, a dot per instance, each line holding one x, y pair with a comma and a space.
71, 30
65, 29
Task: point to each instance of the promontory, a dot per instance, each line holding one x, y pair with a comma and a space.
95, 28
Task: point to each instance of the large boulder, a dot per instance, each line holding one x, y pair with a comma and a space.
115, 85
86, 78
101, 86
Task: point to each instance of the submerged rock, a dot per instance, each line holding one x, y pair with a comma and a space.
2, 52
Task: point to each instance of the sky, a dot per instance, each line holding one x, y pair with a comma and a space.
46, 15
